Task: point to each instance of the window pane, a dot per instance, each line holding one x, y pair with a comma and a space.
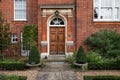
57, 21
20, 9
106, 13
117, 3
117, 14
96, 11
106, 3
96, 3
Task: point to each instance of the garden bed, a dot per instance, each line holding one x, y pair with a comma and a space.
31, 73
80, 75
101, 77
12, 65
12, 77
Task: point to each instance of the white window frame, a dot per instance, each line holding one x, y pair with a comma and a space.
14, 36
23, 52
20, 19
113, 12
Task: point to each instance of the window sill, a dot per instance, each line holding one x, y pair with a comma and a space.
106, 20
20, 20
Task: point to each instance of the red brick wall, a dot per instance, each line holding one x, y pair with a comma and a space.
55, 2
7, 9
83, 17
85, 24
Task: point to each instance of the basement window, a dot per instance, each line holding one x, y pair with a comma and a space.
14, 38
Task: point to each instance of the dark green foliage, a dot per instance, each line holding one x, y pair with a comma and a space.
81, 56
22, 78
13, 77
113, 53
4, 34
101, 77
34, 56
30, 33
12, 65
93, 57
104, 66
1, 56
106, 42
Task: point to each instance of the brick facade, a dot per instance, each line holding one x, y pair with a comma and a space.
79, 18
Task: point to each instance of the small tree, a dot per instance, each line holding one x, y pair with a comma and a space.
4, 34
30, 33
81, 56
34, 56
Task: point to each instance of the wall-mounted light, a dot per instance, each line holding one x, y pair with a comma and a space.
57, 13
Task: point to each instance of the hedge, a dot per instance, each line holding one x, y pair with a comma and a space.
104, 66
22, 78
9, 65
13, 77
101, 77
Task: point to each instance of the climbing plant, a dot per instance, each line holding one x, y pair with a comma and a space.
29, 36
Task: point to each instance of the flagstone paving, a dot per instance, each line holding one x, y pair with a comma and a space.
56, 71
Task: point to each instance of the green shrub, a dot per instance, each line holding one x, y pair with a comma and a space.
22, 78
113, 53
34, 56
104, 41
81, 56
12, 77
118, 60
93, 57
1, 56
101, 77
104, 66
12, 65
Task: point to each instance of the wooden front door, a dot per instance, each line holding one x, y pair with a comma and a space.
57, 40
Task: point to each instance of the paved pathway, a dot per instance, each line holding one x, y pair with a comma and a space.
56, 71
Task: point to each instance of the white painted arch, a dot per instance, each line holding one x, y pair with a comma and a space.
48, 30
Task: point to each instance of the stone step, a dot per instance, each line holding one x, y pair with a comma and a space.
56, 58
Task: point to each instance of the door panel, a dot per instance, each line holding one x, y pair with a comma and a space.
57, 40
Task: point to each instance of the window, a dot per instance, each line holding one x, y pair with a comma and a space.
14, 38
57, 21
19, 9
106, 10
23, 51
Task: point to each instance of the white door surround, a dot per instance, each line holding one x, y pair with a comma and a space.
63, 18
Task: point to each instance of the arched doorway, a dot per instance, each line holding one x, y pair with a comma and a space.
57, 34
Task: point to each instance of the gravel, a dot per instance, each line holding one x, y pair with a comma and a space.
31, 73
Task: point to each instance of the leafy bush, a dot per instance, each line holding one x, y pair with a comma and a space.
118, 60
101, 77
1, 56
113, 53
12, 65
30, 33
93, 57
34, 56
81, 56
104, 66
106, 42
22, 78
13, 77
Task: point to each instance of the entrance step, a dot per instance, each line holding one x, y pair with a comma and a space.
56, 58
